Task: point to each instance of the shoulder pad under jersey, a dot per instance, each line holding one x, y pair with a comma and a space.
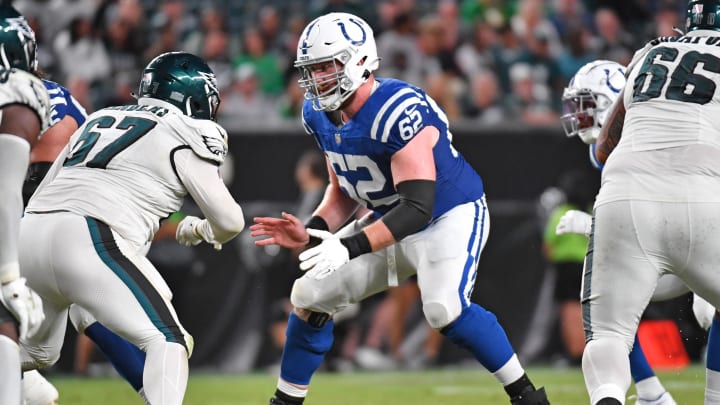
20, 87
206, 138
640, 53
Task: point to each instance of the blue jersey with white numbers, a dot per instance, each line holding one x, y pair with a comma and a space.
63, 103
360, 151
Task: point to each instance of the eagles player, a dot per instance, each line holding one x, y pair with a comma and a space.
661, 177
389, 149
586, 101
24, 116
65, 117
88, 226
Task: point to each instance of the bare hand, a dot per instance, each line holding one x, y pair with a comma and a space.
287, 231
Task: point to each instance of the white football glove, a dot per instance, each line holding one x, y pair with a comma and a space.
193, 230
24, 304
574, 221
323, 259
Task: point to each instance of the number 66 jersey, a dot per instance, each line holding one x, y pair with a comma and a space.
360, 151
671, 127
129, 167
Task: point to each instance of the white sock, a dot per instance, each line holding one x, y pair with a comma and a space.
290, 389
712, 387
14, 159
165, 374
10, 374
649, 388
510, 371
606, 369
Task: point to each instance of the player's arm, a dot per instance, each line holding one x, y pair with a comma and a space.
336, 207
611, 131
53, 140
24, 124
413, 170
223, 215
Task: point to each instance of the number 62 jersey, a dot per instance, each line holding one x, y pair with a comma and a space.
671, 127
361, 150
124, 167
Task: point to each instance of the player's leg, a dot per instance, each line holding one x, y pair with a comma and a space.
99, 272
310, 330
701, 277
125, 357
650, 389
14, 158
619, 280
446, 256
10, 372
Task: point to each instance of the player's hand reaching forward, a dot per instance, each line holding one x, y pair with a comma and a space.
287, 231
24, 304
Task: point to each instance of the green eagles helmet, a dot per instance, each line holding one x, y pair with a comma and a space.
18, 48
703, 15
183, 80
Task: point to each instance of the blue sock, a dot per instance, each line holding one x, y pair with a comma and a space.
713, 345
639, 366
305, 349
127, 359
478, 330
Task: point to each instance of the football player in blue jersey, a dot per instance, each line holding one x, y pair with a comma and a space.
388, 148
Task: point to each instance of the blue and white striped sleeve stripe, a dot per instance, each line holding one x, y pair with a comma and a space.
391, 110
58, 104
593, 159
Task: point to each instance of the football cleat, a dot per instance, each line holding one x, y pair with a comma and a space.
276, 401
664, 399
536, 397
37, 390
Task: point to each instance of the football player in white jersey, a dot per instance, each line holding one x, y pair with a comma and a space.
586, 102
24, 116
87, 228
388, 149
656, 212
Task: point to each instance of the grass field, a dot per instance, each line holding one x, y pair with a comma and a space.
442, 387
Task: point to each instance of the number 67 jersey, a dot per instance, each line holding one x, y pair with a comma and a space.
125, 164
361, 150
671, 127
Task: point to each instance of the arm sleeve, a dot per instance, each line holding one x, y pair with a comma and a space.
202, 180
54, 169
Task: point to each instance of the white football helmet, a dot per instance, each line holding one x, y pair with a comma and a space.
587, 99
344, 40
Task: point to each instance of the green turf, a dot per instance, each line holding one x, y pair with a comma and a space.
443, 387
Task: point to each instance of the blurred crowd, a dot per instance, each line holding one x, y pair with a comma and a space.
484, 61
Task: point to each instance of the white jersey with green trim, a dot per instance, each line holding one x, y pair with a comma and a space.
20, 87
124, 167
670, 145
